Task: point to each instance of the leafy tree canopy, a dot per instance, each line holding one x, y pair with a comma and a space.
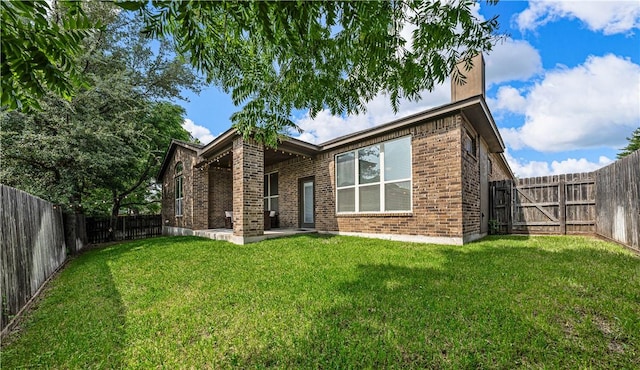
39, 44
634, 144
100, 149
277, 56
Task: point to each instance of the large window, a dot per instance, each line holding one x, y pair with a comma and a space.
271, 191
179, 194
376, 178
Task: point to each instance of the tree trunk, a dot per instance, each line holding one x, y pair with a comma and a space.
113, 223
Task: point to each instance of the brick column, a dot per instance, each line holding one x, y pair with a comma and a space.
248, 179
200, 198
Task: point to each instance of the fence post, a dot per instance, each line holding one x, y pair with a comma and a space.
562, 208
511, 202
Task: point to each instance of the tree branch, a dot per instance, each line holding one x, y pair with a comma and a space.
141, 179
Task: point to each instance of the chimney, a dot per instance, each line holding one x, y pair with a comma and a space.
474, 79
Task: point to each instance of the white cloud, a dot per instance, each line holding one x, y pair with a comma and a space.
572, 165
592, 105
510, 99
523, 169
610, 17
200, 132
512, 60
325, 126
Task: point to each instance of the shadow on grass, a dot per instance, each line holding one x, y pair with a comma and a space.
79, 321
500, 303
494, 306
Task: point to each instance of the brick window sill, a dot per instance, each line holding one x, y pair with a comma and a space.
387, 214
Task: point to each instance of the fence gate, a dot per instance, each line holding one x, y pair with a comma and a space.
559, 204
500, 207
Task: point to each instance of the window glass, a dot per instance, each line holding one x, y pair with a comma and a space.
346, 169
367, 185
369, 164
265, 193
308, 202
470, 143
179, 195
397, 159
270, 192
347, 200
178, 187
178, 167
397, 196
370, 198
273, 183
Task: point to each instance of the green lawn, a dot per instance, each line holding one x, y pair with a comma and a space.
338, 302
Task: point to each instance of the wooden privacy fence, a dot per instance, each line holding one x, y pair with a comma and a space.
618, 205
559, 204
128, 227
604, 202
33, 247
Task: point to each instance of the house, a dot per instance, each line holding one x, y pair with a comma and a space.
420, 178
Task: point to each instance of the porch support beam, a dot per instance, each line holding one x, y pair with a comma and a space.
248, 182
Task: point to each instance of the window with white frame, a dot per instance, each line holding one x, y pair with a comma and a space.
376, 178
179, 194
470, 143
271, 191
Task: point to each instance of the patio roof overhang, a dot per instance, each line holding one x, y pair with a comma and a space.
219, 152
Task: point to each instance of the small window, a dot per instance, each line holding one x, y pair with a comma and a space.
470, 144
179, 194
271, 192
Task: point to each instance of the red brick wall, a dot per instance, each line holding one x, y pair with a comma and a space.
248, 172
470, 183
221, 195
498, 168
437, 186
200, 198
188, 159
445, 187
289, 173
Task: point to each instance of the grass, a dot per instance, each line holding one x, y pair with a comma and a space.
338, 302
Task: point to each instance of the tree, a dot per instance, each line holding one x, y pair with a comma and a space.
634, 144
109, 139
39, 44
274, 56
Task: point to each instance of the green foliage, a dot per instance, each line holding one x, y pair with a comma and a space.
494, 227
277, 56
339, 302
272, 56
104, 146
634, 144
39, 47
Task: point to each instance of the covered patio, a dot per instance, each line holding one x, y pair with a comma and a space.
241, 205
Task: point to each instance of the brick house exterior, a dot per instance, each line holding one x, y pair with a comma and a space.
455, 150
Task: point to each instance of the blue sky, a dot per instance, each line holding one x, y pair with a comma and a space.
564, 89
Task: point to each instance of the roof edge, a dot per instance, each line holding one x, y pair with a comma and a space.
172, 147
428, 114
